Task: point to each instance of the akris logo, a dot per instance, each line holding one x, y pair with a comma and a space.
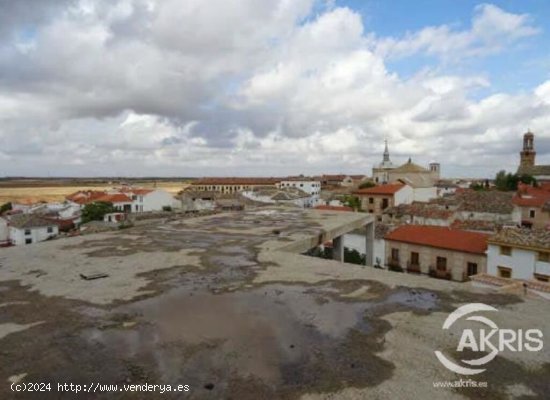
490, 338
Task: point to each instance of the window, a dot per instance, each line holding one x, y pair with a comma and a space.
371, 200
441, 264
414, 258
28, 241
504, 272
27, 231
544, 257
472, 268
385, 204
505, 250
50, 229
395, 254
542, 278
532, 213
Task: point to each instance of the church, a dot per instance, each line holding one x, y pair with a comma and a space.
527, 164
422, 180
411, 173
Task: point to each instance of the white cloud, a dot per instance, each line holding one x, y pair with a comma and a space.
492, 29
249, 87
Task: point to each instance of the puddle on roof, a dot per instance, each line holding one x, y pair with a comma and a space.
281, 335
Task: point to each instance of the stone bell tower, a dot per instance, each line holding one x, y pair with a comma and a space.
527, 155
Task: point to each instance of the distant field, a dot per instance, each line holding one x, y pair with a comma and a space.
57, 192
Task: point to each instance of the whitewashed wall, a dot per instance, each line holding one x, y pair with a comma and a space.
18, 237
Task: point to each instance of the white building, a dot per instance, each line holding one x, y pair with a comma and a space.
357, 240
284, 195
30, 228
4, 232
144, 200
310, 186
520, 254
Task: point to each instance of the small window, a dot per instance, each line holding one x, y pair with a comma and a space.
27, 231
414, 258
441, 263
542, 278
544, 256
28, 241
50, 229
504, 272
532, 213
505, 250
395, 254
472, 268
371, 200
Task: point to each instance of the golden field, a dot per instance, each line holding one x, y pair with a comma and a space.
58, 192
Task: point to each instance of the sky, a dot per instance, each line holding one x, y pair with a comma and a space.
270, 88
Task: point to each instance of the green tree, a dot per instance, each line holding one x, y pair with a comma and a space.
352, 256
509, 182
528, 179
353, 202
96, 211
5, 207
477, 187
501, 181
366, 185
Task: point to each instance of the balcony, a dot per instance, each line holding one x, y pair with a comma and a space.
413, 268
439, 274
394, 265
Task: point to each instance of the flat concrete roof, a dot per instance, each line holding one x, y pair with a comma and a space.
228, 305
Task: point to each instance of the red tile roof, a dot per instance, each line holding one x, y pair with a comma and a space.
85, 196
333, 208
528, 196
390, 188
114, 198
440, 237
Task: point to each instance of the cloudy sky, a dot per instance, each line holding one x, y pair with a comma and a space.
256, 87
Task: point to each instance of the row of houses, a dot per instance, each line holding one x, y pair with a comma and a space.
301, 191
511, 253
456, 254
28, 223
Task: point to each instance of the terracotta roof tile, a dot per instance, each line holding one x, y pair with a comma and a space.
114, 198
537, 238
390, 188
440, 237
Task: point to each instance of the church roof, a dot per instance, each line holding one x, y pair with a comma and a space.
410, 167
535, 170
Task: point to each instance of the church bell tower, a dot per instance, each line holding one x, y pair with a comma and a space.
527, 155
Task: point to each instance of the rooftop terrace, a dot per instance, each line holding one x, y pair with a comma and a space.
227, 304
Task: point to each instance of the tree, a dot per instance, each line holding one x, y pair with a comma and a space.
352, 256
353, 202
5, 207
509, 182
528, 179
96, 211
501, 180
477, 187
366, 185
